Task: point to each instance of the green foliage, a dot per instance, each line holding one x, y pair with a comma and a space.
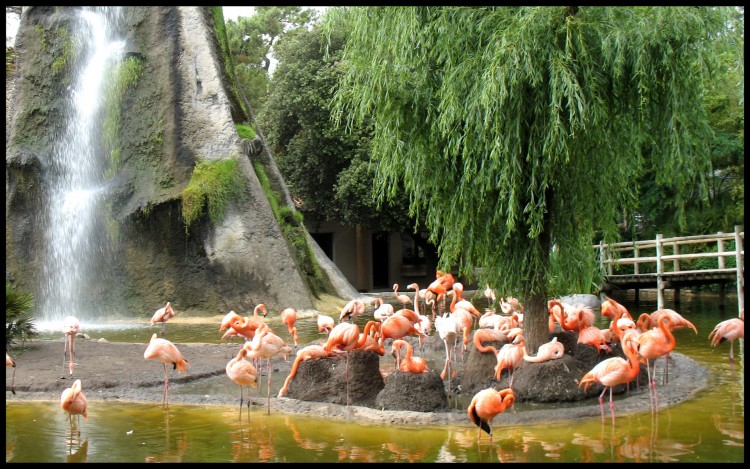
217, 14
250, 40
62, 60
245, 131
122, 77
19, 325
328, 170
213, 183
294, 232
524, 128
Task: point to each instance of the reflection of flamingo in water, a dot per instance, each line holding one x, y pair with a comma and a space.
488, 404
70, 328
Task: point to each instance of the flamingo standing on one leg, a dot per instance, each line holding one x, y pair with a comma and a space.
614, 371
165, 352
243, 373
73, 401
731, 330
162, 315
488, 404
289, 317
12, 363
70, 328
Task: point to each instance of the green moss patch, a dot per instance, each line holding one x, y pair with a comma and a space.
212, 184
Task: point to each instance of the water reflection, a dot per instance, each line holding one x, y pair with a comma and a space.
81, 451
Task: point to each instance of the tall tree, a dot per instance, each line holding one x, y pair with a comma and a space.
251, 41
517, 130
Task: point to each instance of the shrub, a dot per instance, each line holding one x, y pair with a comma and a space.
19, 325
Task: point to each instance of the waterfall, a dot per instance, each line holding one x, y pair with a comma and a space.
77, 247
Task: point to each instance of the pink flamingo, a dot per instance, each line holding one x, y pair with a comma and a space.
731, 330
70, 328
73, 401
243, 373
488, 404
267, 345
165, 352
162, 315
289, 317
403, 299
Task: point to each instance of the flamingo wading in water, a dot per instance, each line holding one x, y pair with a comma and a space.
731, 330
488, 404
162, 315
12, 363
73, 401
243, 373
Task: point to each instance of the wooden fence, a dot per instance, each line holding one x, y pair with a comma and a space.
660, 264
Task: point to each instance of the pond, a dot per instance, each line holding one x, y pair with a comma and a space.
707, 428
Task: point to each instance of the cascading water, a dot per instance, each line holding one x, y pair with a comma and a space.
77, 243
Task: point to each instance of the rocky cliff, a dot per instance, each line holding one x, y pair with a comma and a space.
177, 112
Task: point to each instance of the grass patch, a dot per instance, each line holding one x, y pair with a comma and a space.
125, 75
245, 131
212, 184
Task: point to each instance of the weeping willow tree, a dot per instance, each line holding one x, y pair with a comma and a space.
518, 132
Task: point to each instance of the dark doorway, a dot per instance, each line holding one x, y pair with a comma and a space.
380, 260
325, 241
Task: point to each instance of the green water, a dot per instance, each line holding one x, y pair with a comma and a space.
706, 428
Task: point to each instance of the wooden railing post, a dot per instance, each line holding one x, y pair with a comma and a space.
720, 249
740, 276
659, 272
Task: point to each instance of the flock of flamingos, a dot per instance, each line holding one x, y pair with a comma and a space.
643, 340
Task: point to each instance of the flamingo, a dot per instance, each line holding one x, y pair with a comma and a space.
306, 353
678, 322
382, 309
410, 363
70, 328
578, 318
510, 356
267, 345
614, 371
731, 330
399, 325
424, 324
344, 338
489, 293
73, 401
165, 352
243, 373
488, 404
247, 326
488, 335
289, 317
448, 331
459, 301
552, 350
325, 323
12, 363
592, 335
352, 310
610, 308
654, 343
162, 315
403, 299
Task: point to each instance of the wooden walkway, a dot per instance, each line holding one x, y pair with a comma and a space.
659, 264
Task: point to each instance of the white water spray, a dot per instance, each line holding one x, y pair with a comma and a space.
77, 245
